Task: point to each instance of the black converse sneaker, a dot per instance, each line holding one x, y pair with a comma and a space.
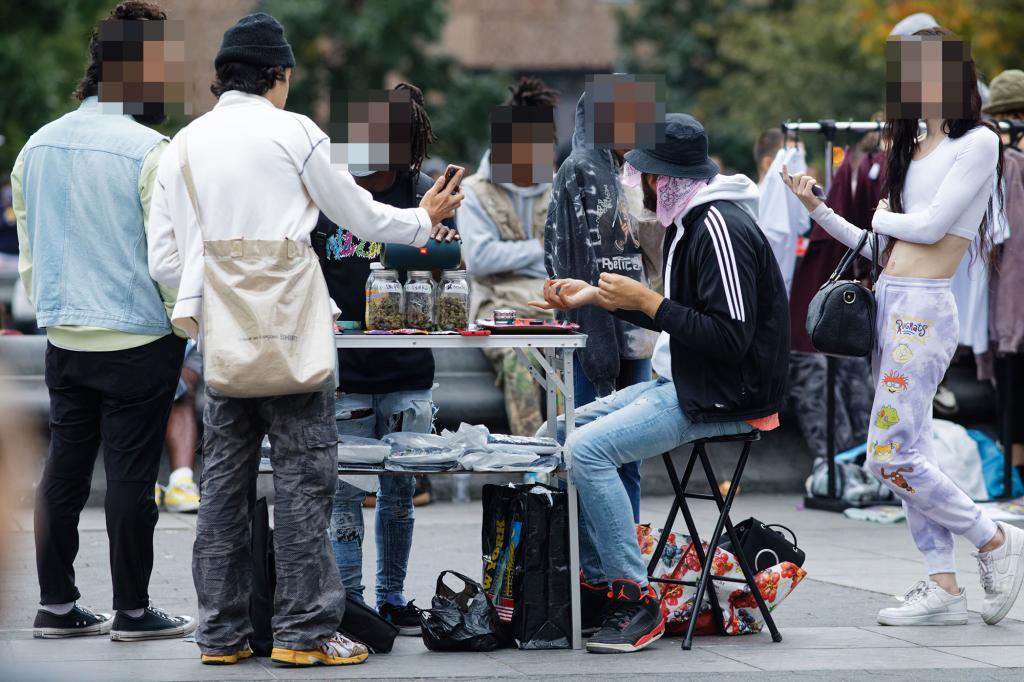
152, 624
78, 622
405, 618
594, 604
634, 620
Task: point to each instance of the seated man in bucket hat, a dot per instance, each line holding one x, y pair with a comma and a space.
721, 360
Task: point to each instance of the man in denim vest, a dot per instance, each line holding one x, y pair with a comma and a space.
81, 191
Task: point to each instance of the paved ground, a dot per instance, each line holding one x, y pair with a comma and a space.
828, 623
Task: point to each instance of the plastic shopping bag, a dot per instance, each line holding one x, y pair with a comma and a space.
460, 621
526, 563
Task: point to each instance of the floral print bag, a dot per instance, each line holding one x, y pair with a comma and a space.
739, 608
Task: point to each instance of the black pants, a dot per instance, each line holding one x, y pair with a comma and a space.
121, 399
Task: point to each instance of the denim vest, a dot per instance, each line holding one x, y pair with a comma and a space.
85, 223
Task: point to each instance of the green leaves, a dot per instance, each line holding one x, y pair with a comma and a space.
343, 45
43, 50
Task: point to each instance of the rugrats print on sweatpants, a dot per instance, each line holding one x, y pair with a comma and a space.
917, 332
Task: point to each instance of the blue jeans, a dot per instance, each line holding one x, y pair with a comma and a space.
375, 416
630, 372
630, 425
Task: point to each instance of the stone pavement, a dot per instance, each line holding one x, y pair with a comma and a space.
828, 623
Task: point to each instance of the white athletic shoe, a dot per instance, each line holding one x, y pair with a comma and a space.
1002, 570
927, 604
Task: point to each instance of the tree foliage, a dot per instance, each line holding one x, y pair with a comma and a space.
43, 50
354, 45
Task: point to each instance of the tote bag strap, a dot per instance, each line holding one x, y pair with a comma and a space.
186, 174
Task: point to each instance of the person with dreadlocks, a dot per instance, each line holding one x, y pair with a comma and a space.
380, 391
502, 219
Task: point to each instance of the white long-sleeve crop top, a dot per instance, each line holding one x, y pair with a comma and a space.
946, 192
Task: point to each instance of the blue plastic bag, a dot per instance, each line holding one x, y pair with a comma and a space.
992, 466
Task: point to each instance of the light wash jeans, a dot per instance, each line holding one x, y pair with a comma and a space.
399, 411
629, 425
631, 372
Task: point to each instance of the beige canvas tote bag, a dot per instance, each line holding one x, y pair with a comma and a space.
268, 323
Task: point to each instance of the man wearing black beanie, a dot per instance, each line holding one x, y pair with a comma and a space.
259, 174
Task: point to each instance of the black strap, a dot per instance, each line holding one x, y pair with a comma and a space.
779, 525
854, 252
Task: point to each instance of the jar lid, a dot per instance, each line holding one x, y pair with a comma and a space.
455, 273
421, 273
376, 265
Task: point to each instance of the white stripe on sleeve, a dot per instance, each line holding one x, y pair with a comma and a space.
716, 240
730, 275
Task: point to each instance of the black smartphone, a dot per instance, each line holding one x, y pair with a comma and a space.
449, 174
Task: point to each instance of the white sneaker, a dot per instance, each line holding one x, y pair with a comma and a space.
927, 604
1002, 570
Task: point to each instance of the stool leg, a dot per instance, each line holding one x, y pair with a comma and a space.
748, 574
673, 510
705, 584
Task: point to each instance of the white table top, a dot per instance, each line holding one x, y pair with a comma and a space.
361, 340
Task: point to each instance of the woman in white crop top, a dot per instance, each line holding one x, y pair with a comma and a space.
940, 201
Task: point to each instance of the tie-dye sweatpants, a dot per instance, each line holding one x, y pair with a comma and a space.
917, 334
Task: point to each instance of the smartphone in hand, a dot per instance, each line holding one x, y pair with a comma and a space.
449, 174
816, 190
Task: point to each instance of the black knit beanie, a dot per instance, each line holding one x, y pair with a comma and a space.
257, 39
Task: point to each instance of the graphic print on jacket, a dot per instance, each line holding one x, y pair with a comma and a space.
343, 244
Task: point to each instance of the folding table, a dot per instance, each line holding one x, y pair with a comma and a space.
552, 354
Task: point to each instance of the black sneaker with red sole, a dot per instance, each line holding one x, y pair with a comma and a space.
633, 621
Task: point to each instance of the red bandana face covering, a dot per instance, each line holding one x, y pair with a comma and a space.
674, 194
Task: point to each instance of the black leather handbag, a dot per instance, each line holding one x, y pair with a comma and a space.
841, 316
764, 547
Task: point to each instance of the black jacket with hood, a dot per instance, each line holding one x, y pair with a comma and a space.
727, 316
587, 226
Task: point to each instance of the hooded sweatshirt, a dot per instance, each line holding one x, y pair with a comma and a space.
590, 230
483, 248
724, 322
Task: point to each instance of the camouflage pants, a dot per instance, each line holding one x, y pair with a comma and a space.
522, 395
309, 599
854, 391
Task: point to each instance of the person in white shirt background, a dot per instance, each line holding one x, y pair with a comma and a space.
262, 173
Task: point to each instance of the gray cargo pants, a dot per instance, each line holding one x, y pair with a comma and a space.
309, 598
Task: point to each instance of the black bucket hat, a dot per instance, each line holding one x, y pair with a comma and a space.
682, 154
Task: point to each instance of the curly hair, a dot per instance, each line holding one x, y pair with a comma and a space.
532, 92
129, 10
422, 132
248, 78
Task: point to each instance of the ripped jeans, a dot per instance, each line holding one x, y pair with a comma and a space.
375, 416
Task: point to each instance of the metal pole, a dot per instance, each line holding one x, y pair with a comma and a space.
563, 356
1008, 397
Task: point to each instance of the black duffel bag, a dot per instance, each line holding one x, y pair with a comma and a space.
359, 621
841, 316
763, 546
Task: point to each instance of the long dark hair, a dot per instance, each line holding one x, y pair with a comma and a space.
900, 135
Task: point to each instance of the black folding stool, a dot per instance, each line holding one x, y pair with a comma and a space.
705, 585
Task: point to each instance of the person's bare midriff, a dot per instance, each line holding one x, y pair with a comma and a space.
928, 261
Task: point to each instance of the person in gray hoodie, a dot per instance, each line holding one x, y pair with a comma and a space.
502, 225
